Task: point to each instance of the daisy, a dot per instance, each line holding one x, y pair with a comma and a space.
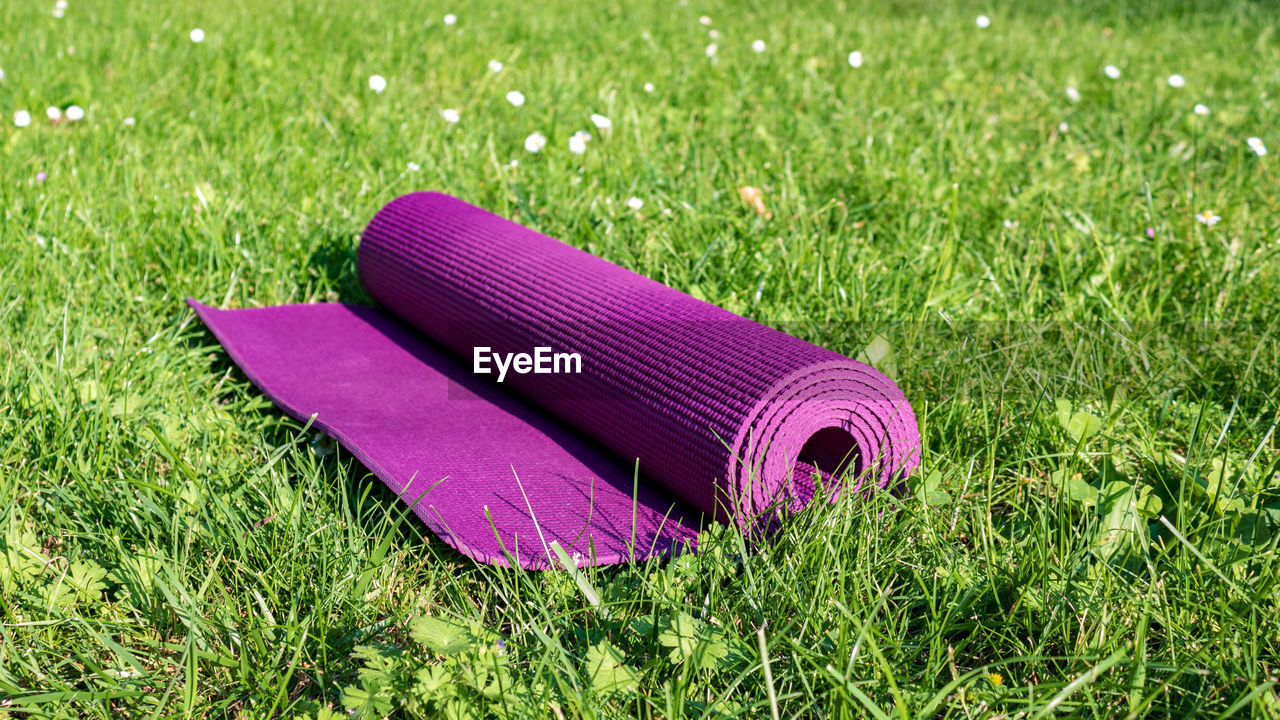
54, 113
855, 59
1177, 81
22, 118
321, 445
1201, 109
515, 97
648, 87
1063, 127
377, 83
758, 46
414, 167
1073, 94
130, 121
601, 121
450, 115
712, 49
495, 66
1010, 224
535, 142
577, 143
1208, 217
1112, 72
75, 112
635, 203
197, 36
450, 19
1255, 144
704, 20
714, 34
983, 22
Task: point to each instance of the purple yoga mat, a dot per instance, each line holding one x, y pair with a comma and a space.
723, 417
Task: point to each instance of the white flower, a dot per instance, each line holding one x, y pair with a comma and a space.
59, 12
197, 36
495, 66
450, 19
1, 73
1073, 94
1253, 141
983, 21
377, 83
130, 121
758, 46
1063, 127
75, 112
515, 162
583, 134
414, 167
712, 49
1010, 224
635, 203
515, 97
1112, 71
601, 121
535, 142
648, 87
60, 4
1201, 109
53, 113
22, 118
1208, 217
1256, 145
577, 144
704, 20
1177, 81
450, 115
714, 34
855, 59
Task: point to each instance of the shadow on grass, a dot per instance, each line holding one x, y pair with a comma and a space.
332, 268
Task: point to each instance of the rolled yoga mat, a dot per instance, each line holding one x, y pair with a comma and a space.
681, 411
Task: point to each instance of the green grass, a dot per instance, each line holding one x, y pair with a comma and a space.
1094, 529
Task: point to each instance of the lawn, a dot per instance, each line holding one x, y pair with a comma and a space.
1073, 276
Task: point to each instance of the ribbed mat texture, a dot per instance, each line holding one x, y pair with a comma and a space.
681, 411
